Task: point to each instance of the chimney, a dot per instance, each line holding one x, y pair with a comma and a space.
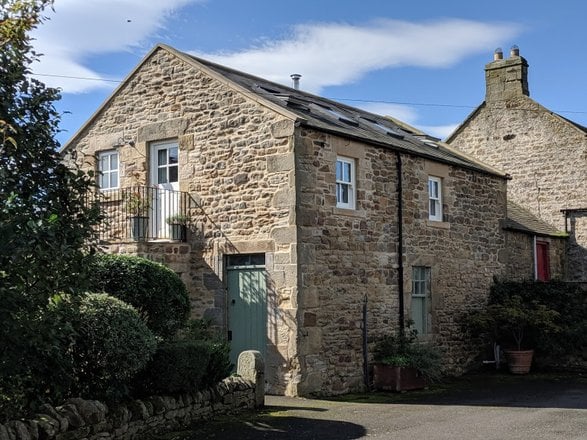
506, 79
296, 80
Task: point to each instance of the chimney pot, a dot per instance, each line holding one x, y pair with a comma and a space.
515, 51
498, 54
296, 80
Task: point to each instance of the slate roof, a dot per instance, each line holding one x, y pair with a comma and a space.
337, 118
520, 219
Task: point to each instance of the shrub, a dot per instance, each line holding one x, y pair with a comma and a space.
194, 360
404, 350
176, 367
109, 343
153, 289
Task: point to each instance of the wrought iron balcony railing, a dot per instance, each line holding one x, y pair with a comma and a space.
143, 213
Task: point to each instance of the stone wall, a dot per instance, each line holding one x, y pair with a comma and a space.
349, 255
235, 161
519, 254
545, 154
79, 419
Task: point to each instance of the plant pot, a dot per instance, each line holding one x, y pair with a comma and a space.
178, 231
139, 227
391, 378
519, 361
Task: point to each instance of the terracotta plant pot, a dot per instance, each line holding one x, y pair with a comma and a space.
390, 378
519, 361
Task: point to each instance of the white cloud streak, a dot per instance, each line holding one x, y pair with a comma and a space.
328, 54
80, 29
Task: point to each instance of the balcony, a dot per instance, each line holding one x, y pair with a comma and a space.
143, 213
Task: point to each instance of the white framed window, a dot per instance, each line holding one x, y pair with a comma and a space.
435, 198
421, 293
108, 174
345, 183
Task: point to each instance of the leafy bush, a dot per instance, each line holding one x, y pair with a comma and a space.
108, 343
194, 360
565, 304
153, 289
404, 350
176, 367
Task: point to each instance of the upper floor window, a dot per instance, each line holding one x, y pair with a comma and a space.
345, 183
166, 163
435, 198
108, 169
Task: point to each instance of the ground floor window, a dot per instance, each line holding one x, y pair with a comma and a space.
420, 298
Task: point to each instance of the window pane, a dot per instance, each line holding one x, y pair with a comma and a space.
419, 314
114, 161
343, 193
173, 158
338, 170
114, 179
433, 208
162, 175
162, 157
433, 189
173, 174
104, 163
346, 172
103, 181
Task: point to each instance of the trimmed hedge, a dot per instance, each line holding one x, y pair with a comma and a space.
152, 288
108, 343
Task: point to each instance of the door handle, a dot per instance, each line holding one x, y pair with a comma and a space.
230, 335
233, 301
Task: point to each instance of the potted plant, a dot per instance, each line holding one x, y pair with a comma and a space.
137, 205
178, 224
403, 363
514, 322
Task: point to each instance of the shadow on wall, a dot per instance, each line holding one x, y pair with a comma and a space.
576, 224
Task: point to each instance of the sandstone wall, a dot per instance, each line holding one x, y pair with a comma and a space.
546, 157
519, 251
349, 255
235, 161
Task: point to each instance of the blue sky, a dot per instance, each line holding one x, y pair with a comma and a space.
419, 61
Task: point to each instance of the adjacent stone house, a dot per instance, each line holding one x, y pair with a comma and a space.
546, 156
302, 213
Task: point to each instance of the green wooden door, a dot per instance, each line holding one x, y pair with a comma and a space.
247, 304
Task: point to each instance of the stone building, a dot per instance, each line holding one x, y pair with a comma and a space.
301, 213
545, 154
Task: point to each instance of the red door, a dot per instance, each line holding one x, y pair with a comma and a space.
542, 261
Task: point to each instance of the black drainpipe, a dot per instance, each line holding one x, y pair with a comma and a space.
400, 247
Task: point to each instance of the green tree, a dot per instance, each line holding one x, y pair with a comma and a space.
46, 224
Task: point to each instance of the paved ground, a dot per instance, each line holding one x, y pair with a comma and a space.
488, 407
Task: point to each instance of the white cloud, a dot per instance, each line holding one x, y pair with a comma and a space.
404, 113
439, 131
328, 54
80, 29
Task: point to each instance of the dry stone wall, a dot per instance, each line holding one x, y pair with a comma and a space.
79, 419
236, 163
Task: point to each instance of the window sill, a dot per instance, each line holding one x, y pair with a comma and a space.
348, 212
437, 224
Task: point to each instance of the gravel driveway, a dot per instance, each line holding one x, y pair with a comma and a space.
488, 407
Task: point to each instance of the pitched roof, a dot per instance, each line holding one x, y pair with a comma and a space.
344, 120
320, 113
520, 219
